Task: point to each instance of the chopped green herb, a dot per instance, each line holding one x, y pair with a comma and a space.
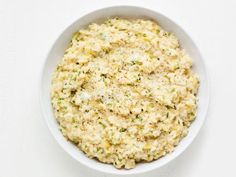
139, 117
103, 126
192, 114
123, 129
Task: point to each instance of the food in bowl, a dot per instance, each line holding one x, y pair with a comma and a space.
125, 92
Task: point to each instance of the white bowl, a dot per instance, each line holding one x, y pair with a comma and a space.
56, 53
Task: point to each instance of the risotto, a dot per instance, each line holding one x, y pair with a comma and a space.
124, 92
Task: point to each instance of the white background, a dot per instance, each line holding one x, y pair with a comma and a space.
27, 30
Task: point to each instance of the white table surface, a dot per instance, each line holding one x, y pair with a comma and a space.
27, 30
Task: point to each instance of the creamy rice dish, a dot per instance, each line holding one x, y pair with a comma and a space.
124, 92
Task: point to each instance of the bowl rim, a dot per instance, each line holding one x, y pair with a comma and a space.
147, 168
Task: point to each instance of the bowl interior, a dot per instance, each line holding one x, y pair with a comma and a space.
56, 53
